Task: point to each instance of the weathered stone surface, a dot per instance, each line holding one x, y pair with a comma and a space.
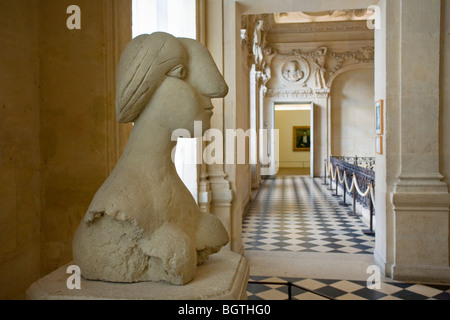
224, 277
143, 224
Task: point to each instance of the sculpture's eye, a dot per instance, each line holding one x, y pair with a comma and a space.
178, 72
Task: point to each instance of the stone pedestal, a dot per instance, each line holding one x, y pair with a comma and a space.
223, 277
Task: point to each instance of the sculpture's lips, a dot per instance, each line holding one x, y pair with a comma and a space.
209, 108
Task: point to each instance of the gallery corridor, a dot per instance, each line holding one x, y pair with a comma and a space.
296, 231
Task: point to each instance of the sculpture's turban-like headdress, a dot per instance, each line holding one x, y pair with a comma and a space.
143, 67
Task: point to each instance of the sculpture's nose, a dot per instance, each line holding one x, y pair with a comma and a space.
214, 86
202, 72
205, 77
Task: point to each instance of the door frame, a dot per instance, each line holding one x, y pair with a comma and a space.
292, 102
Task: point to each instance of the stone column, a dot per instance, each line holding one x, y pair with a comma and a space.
204, 187
321, 127
221, 192
420, 199
254, 125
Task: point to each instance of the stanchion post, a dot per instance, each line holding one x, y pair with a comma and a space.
344, 186
331, 181
370, 232
289, 291
326, 172
354, 200
337, 180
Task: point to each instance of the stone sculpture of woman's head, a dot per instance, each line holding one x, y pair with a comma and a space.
143, 224
154, 67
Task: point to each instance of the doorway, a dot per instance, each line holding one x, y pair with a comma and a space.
300, 60
294, 122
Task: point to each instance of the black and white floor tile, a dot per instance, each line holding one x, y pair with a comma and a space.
298, 214
342, 290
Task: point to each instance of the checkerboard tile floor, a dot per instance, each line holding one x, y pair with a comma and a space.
343, 290
298, 214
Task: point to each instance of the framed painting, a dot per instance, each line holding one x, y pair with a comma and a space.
379, 122
379, 145
302, 139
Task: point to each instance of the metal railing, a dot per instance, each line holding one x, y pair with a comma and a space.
335, 175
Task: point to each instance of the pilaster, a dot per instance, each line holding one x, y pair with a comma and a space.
420, 199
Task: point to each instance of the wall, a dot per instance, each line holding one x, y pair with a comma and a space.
284, 122
412, 203
444, 137
349, 76
445, 92
386, 55
73, 117
352, 114
19, 147
78, 147
59, 138
241, 179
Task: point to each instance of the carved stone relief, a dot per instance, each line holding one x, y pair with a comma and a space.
260, 54
258, 43
296, 71
269, 54
318, 67
311, 71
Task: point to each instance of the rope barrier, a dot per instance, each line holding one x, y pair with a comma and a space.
335, 175
354, 182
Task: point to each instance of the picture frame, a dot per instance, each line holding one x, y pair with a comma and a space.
379, 145
379, 121
301, 139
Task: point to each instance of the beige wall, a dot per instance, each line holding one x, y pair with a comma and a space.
445, 96
284, 122
412, 240
19, 147
76, 104
59, 139
352, 114
445, 93
350, 94
243, 171
385, 57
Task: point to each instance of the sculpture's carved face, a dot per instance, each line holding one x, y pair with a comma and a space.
189, 87
171, 80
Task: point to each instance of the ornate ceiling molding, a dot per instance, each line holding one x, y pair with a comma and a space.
323, 16
336, 60
298, 73
312, 27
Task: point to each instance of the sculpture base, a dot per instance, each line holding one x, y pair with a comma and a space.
223, 277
